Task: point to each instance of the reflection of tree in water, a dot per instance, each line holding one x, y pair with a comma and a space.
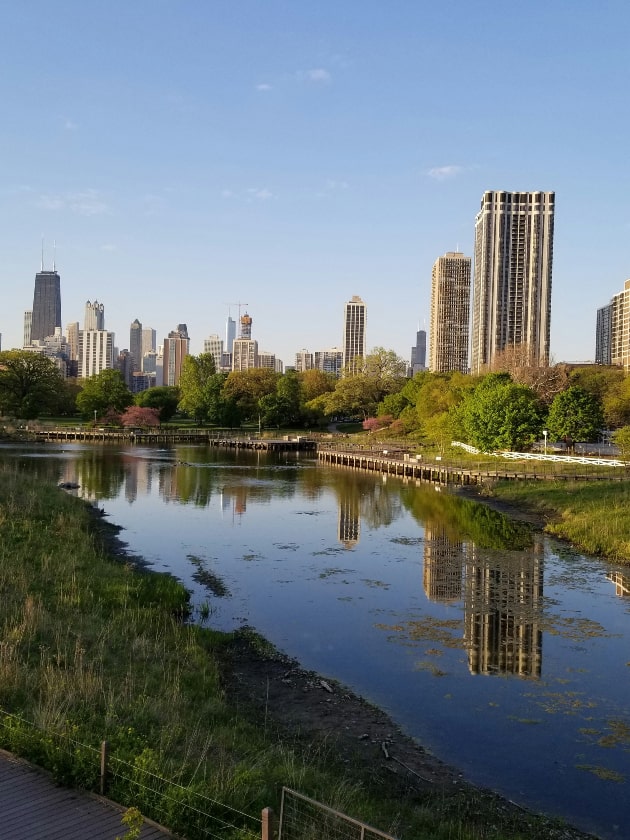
100, 472
462, 519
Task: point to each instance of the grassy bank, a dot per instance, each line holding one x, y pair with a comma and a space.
92, 648
593, 515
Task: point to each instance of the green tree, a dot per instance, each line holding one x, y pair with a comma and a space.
315, 382
576, 414
103, 392
197, 387
163, 397
499, 414
616, 403
247, 387
30, 384
621, 438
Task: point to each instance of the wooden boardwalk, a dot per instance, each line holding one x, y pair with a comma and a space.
33, 807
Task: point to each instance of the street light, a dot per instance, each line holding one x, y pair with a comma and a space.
545, 433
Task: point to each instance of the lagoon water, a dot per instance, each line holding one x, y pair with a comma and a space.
504, 652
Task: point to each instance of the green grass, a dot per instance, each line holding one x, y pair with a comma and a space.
94, 649
593, 515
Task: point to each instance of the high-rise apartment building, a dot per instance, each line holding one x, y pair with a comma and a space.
246, 326
244, 354
512, 277
46, 305
303, 360
329, 361
96, 352
620, 328
28, 326
175, 350
72, 336
603, 346
450, 313
354, 324
94, 316
135, 344
214, 346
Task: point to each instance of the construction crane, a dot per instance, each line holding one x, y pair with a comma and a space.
239, 304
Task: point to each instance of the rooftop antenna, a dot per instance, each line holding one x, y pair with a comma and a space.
239, 304
54, 254
42, 268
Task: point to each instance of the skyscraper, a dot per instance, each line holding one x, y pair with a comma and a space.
512, 277
450, 313
214, 346
96, 352
355, 317
94, 316
603, 335
419, 353
230, 334
619, 340
135, 344
246, 327
176, 348
46, 304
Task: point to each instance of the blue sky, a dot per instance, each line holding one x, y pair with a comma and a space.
186, 156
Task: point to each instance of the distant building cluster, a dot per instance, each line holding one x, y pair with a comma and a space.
496, 302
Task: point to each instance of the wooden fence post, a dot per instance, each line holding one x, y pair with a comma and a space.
267, 824
104, 757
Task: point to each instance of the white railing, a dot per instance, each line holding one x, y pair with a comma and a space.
538, 456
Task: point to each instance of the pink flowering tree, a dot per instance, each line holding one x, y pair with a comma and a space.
375, 424
140, 417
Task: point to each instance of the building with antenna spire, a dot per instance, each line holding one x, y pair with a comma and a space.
46, 303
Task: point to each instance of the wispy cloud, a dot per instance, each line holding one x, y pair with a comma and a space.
332, 186
319, 76
87, 203
263, 87
109, 246
444, 173
259, 194
70, 125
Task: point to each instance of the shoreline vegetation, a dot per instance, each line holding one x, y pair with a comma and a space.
594, 516
95, 646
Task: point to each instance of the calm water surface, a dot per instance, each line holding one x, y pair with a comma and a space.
504, 652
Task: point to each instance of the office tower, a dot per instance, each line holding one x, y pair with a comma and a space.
419, 353
246, 327
244, 354
450, 313
355, 316
176, 348
125, 363
512, 278
148, 340
72, 335
96, 352
330, 361
230, 334
94, 316
135, 344
46, 304
28, 326
214, 346
603, 335
620, 328
303, 360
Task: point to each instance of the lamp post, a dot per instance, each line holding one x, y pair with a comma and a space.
545, 433
94, 418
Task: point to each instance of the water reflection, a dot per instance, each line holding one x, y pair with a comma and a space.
412, 597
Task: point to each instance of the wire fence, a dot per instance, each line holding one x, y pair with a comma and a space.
302, 818
184, 808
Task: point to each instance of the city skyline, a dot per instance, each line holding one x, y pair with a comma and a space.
299, 154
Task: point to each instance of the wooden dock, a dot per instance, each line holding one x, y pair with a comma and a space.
34, 807
409, 466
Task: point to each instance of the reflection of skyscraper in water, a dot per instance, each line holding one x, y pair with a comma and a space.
349, 520
622, 583
443, 565
502, 608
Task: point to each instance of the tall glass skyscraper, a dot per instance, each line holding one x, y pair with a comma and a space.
46, 305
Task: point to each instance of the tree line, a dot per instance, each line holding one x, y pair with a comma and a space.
506, 408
